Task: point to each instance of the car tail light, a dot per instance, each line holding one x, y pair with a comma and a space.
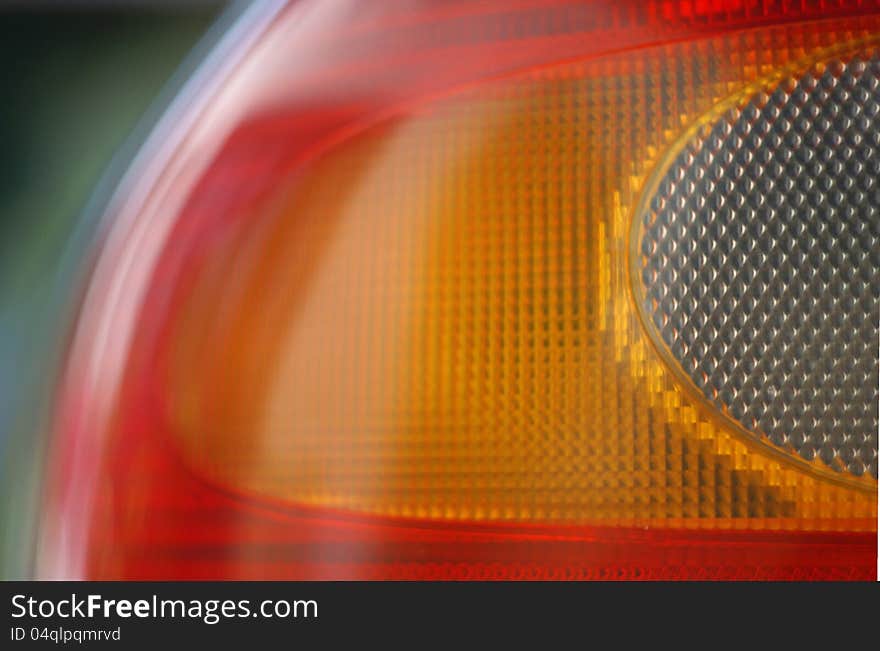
491, 290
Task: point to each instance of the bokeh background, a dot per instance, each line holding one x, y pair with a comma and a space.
82, 83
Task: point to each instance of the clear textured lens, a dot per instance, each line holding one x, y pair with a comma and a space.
761, 263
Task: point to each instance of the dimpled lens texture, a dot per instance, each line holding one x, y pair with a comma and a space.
761, 263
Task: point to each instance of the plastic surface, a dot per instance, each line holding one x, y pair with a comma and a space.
374, 317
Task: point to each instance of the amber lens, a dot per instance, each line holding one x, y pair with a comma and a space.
434, 319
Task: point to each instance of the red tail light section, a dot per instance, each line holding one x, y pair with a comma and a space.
371, 312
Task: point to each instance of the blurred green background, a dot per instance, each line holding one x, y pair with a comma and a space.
78, 78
